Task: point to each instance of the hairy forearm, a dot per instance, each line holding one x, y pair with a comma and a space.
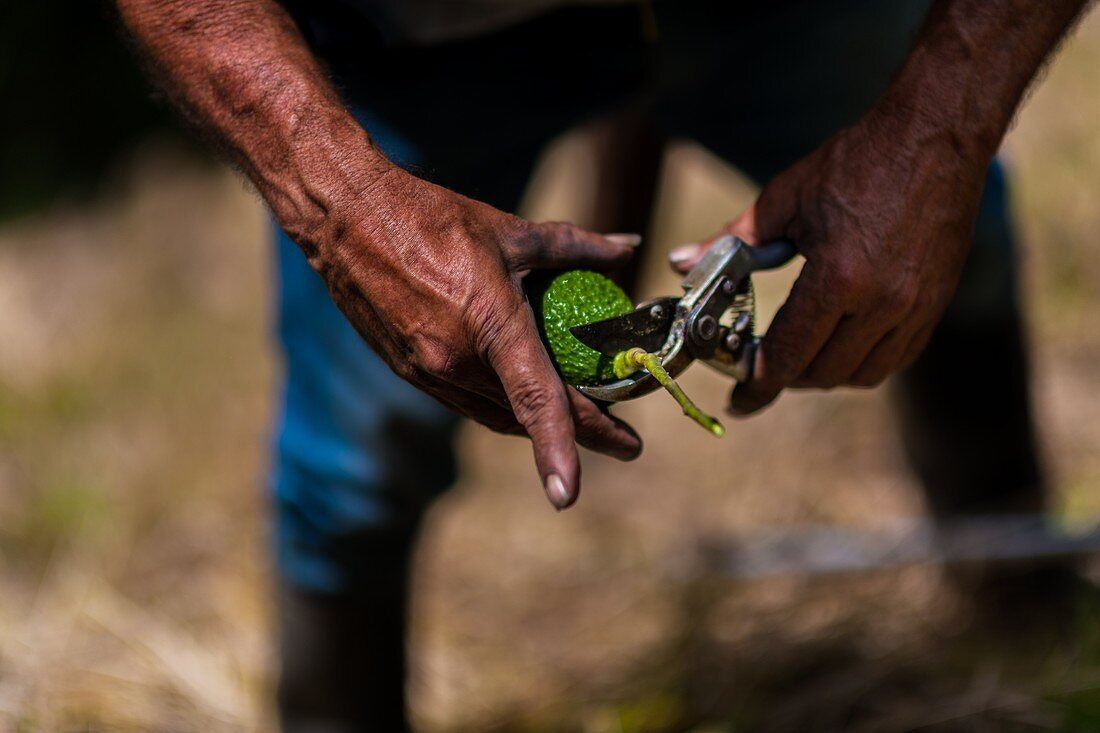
241, 71
968, 70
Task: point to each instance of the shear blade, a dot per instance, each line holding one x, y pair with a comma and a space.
645, 327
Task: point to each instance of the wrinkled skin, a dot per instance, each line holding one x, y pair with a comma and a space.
885, 231
884, 210
433, 281
429, 278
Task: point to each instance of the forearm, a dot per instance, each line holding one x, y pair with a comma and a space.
241, 71
968, 70
429, 278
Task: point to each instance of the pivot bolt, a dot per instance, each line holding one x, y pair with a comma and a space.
726, 286
657, 312
733, 342
706, 327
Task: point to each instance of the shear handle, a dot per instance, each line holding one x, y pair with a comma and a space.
739, 363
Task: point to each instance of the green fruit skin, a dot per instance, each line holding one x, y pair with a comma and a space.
573, 298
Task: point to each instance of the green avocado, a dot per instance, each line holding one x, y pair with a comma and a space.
573, 298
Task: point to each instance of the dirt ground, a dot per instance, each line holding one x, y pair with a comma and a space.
136, 385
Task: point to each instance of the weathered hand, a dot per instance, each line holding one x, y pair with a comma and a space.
432, 280
884, 222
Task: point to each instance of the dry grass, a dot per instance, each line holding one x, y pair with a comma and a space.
134, 396
134, 393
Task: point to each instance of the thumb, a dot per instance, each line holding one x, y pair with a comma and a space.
766, 219
559, 245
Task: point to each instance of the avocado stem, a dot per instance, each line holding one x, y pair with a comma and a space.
652, 363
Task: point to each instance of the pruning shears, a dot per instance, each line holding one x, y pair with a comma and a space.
713, 322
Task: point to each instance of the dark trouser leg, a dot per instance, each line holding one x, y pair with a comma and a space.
343, 655
967, 427
627, 156
970, 438
471, 116
360, 455
964, 406
361, 452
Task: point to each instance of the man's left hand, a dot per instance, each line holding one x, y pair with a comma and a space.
884, 219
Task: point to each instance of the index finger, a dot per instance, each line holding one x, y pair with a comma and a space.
799, 330
539, 400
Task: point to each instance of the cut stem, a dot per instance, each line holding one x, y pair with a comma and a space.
640, 359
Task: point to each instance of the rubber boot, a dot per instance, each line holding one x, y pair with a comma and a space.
343, 655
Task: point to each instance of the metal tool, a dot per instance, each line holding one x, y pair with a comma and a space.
713, 322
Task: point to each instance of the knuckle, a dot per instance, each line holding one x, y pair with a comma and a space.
523, 243
840, 276
481, 311
436, 360
504, 337
531, 400
431, 354
594, 430
489, 317
899, 298
591, 422
782, 367
849, 280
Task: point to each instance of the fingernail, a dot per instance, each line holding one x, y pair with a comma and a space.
686, 253
555, 489
629, 240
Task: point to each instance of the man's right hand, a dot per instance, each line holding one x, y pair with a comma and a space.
433, 281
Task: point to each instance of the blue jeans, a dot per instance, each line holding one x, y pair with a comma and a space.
361, 452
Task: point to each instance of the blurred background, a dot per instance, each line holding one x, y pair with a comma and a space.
136, 387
